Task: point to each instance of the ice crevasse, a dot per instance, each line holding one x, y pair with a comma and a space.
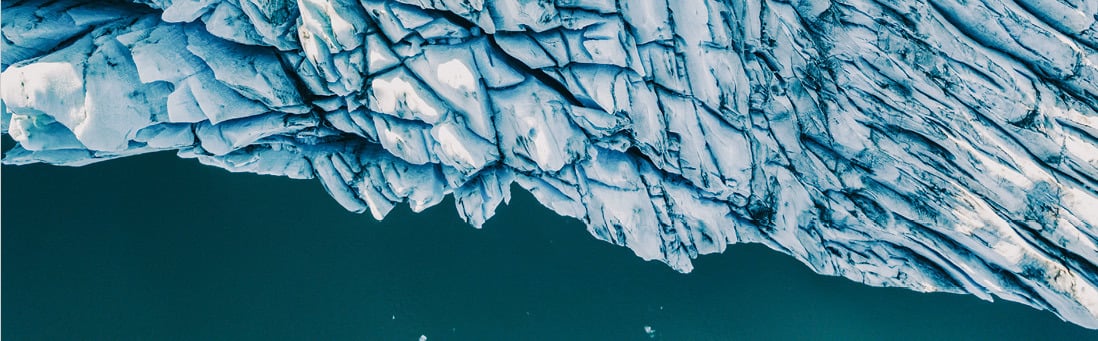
938, 145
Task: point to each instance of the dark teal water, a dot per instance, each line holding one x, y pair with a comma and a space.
159, 248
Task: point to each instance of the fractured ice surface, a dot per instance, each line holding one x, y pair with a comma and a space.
936, 145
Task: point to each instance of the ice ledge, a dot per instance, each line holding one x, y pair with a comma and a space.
937, 146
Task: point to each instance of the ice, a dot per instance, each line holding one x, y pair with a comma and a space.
934, 145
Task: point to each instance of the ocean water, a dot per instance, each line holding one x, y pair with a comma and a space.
159, 248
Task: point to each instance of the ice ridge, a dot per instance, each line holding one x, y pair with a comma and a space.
937, 145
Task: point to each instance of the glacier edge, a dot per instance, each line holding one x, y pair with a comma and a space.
934, 145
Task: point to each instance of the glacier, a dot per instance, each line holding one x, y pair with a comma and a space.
937, 145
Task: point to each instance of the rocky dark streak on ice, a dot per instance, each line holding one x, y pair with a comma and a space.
935, 145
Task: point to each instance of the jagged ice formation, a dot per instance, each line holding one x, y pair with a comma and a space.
938, 145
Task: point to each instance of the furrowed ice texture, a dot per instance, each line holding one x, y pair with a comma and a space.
940, 145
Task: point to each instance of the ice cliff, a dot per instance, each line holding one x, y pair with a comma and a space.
938, 145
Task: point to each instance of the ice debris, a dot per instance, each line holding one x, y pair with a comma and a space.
938, 145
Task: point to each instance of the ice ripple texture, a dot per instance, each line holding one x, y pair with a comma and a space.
941, 145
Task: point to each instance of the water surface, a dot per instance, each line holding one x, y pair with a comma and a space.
156, 247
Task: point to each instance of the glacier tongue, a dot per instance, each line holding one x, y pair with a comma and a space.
934, 145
